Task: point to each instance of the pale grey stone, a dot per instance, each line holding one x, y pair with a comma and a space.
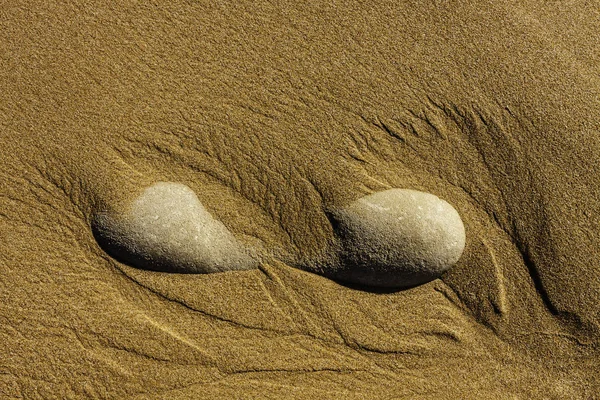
167, 228
397, 238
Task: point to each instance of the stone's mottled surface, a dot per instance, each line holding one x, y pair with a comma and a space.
397, 238
167, 228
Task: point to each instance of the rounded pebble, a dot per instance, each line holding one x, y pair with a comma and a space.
397, 238
168, 229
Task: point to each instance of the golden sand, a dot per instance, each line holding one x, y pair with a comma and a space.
273, 114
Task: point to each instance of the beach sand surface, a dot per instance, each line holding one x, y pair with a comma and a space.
274, 114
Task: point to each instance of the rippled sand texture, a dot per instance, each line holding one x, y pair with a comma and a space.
273, 115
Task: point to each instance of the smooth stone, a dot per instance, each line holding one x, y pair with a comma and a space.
397, 238
168, 229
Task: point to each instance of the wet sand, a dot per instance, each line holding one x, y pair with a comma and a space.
274, 115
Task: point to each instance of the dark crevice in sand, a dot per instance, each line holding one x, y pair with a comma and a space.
537, 280
295, 370
370, 349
